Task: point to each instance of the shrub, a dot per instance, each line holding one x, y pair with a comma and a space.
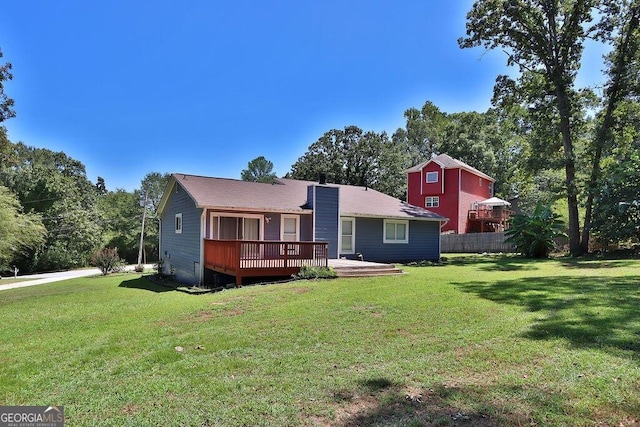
107, 260
308, 272
533, 234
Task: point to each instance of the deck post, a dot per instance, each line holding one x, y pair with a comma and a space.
286, 255
238, 256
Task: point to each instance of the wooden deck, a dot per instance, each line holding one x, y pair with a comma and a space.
487, 220
258, 258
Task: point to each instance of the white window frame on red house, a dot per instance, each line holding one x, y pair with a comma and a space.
429, 177
432, 201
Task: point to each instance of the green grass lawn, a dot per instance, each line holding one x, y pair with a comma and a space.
9, 280
481, 341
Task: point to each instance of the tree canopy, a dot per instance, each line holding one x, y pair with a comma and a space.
19, 232
545, 40
6, 103
259, 170
354, 157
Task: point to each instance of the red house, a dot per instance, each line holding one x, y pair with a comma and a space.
462, 193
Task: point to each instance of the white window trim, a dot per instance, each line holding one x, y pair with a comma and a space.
297, 218
292, 250
433, 198
353, 236
214, 214
431, 173
395, 221
177, 223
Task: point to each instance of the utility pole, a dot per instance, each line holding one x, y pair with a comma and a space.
144, 216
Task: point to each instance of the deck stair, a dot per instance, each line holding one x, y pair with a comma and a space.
349, 268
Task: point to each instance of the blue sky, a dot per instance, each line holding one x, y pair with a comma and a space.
203, 87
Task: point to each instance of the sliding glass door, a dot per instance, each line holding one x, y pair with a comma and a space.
225, 227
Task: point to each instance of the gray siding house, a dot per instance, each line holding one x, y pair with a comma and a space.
216, 225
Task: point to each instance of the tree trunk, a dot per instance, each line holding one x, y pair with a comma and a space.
564, 109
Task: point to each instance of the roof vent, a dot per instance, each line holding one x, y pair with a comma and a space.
322, 178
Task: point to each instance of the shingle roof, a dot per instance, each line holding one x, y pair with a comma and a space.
209, 192
288, 195
449, 162
362, 201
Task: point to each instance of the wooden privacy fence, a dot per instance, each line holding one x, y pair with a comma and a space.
475, 243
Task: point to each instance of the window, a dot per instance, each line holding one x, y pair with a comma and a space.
179, 223
432, 177
490, 189
480, 182
348, 236
290, 228
396, 231
432, 202
290, 232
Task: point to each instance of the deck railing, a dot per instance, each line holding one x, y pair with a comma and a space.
490, 214
245, 258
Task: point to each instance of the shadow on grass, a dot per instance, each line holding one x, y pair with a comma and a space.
597, 263
145, 284
382, 402
510, 262
588, 312
495, 262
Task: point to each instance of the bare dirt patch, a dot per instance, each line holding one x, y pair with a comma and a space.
392, 405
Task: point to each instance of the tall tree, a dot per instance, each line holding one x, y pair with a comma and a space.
544, 37
617, 213
153, 184
425, 129
485, 141
259, 170
55, 186
620, 27
120, 214
19, 232
152, 188
354, 157
6, 103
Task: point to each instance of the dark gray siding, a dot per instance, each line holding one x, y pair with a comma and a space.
272, 230
424, 242
181, 251
310, 193
326, 217
306, 228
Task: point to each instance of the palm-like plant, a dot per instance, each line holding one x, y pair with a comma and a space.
533, 234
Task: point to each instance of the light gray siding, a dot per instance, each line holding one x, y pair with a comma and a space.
327, 218
181, 251
424, 242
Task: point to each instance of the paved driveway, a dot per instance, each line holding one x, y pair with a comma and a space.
40, 279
